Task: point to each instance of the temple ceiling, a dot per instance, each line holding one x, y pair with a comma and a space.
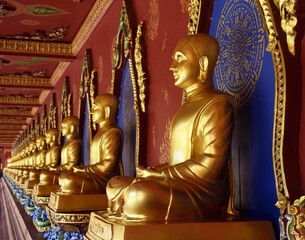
38, 40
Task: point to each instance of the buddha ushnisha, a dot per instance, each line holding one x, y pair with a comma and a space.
195, 184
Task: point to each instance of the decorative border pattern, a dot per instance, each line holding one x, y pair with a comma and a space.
16, 112
13, 121
12, 127
19, 100
25, 81
36, 47
95, 15
68, 218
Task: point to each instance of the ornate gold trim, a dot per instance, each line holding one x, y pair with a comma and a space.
24, 81
15, 127
16, 112
58, 72
138, 63
68, 218
13, 121
194, 11
95, 15
279, 105
19, 100
289, 21
36, 47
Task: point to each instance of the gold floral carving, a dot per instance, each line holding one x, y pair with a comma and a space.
95, 15
165, 95
289, 21
138, 62
153, 21
279, 105
165, 144
19, 100
296, 224
164, 42
77, 218
35, 47
13, 121
24, 81
16, 112
194, 13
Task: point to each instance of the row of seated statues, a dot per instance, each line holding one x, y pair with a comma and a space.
197, 181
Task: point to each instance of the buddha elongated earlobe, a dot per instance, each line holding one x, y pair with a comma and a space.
203, 63
107, 113
72, 128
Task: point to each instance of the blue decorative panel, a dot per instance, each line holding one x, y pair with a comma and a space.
86, 138
245, 71
127, 121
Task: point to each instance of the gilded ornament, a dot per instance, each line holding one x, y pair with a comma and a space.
19, 100
138, 62
165, 144
288, 21
296, 224
16, 112
36, 47
96, 13
24, 81
279, 107
194, 11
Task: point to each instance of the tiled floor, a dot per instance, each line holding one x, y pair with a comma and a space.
2, 223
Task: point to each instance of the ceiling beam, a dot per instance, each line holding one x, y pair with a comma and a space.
12, 81
10, 132
11, 127
12, 121
16, 113
16, 100
37, 48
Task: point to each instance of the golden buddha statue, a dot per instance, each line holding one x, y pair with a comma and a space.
71, 151
70, 156
195, 184
29, 163
84, 190
40, 160
52, 158
105, 152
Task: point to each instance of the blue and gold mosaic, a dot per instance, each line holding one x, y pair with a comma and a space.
241, 36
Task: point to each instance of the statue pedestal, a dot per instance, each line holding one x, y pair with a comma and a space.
101, 227
69, 222
29, 185
78, 202
44, 190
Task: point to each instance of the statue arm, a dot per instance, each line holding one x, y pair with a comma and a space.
211, 142
74, 153
110, 152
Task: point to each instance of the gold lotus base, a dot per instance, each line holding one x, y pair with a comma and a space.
102, 227
78, 202
44, 190
69, 222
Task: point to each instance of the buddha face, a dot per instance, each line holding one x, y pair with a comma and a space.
97, 113
65, 129
185, 65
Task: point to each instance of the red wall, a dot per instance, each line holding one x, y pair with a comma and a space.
165, 22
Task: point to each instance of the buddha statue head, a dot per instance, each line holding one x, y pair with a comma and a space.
194, 60
41, 143
104, 108
70, 127
52, 136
